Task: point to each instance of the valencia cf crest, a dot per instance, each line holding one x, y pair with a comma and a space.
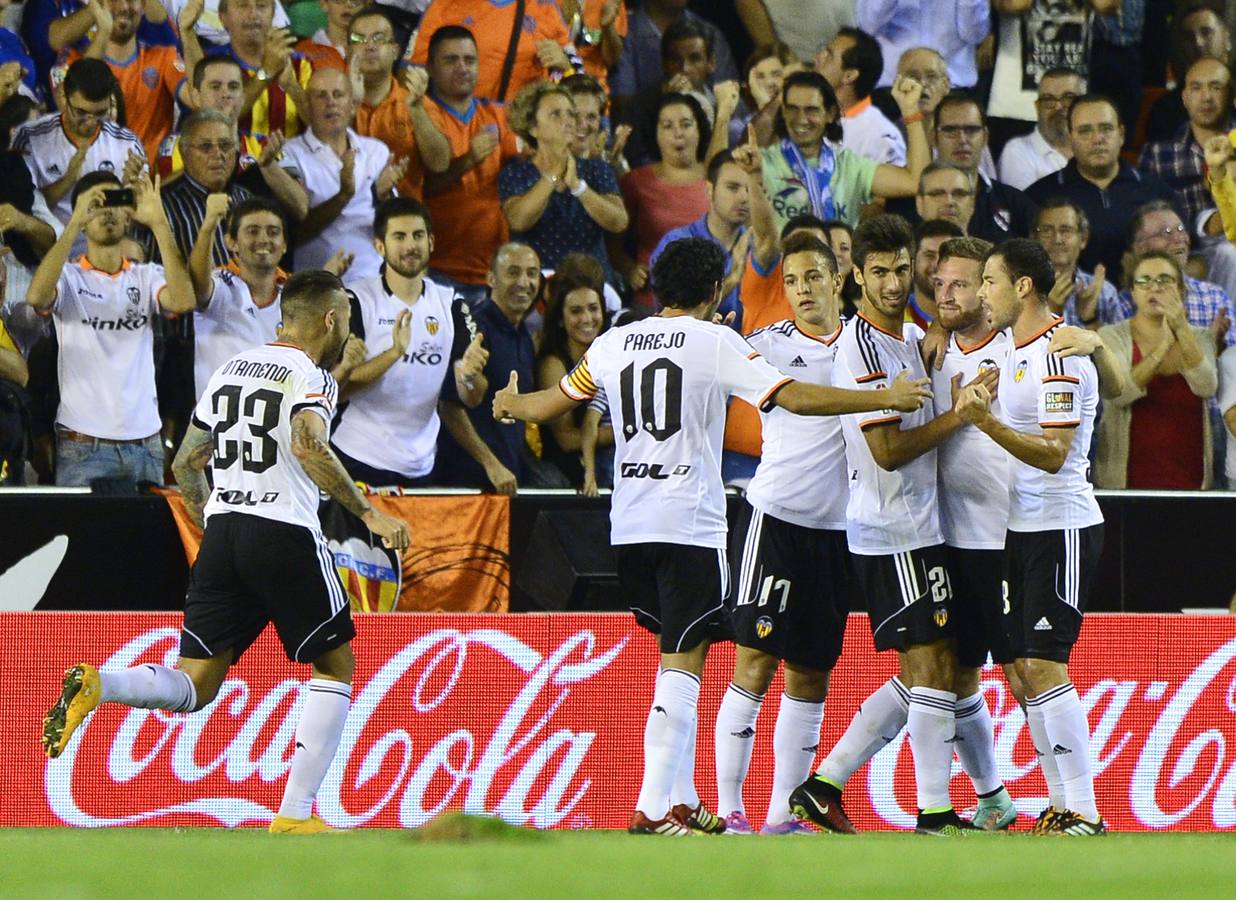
941, 616
1021, 371
431, 325
135, 295
987, 365
763, 627
150, 77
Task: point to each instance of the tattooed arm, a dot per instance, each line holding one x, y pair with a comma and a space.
190, 470
310, 447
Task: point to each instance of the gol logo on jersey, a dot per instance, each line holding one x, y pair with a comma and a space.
763, 627
431, 325
1021, 370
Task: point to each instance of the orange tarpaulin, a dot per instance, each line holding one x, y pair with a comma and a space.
458, 561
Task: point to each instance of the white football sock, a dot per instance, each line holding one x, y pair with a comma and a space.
734, 737
976, 744
1047, 759
149, 686
878, 721
666, 733
683, 790
930, 723
1069, 735
317, 739
795, 742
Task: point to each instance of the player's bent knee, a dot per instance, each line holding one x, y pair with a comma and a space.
801, 683
967, 682
754, 669
1039, 675
931, 665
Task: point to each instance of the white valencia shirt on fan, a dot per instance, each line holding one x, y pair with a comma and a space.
888, 512
667, 380
248, 405
801, 478
104, 325
974, 469
47, 150
231, 321
392, 423
317, 167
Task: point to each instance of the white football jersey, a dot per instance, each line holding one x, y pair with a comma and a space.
104, 323
48, 150
974, 469
392, 423
230, 322
1039, 390
888, 512
668, 380
248, 405
801, 478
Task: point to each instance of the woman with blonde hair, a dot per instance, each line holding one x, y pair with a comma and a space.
555, 202
1156, 435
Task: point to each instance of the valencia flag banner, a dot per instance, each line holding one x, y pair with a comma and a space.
459, 559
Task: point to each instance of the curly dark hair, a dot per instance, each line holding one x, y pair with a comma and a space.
687, 272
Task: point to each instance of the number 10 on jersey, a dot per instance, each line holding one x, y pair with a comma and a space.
661, 377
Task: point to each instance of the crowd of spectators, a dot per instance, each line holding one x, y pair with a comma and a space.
494, 181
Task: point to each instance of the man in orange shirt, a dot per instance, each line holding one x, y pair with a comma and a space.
328, 47
151, 78
540, 51
467, 215
392, 112
763, 300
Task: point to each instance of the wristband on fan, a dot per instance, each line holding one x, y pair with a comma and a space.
913, 117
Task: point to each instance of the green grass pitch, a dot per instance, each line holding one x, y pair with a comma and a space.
140, 862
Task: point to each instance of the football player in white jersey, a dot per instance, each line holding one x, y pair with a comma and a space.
788, 546
432, 357
667, 379
237, 304
1055, 537
974, 514
262, 427
893, 532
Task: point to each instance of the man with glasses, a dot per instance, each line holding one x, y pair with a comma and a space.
1084, 299
1106, 189
945, 191
1000, 211
218, 85
1030, 157
209, 146
392, 109
62, 147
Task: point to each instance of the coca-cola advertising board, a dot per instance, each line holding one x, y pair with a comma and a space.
539, 719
